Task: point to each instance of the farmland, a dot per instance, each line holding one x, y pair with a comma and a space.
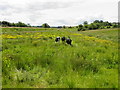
32, 59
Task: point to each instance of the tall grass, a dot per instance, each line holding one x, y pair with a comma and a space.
42, 63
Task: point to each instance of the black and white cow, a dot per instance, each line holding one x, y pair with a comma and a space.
57, 39
69, 41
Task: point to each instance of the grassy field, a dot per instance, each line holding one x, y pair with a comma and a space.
32, 59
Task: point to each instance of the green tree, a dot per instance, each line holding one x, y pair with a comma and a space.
5, 23
86, 26
80, 27
20, 24
76, 26
85, 23
101, 21
45, 25
64, 26
69, 27
8, 24
96, 21
93, 26
13, 24
115, 25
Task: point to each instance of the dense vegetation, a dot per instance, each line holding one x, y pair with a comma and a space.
8, 24
45, 25
31, 58
97, 24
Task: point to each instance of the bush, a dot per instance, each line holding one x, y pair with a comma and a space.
79, 29
45, 25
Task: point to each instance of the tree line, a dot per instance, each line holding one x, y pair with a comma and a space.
97, 24
20, 24
8, 24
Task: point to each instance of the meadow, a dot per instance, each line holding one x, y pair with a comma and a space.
32, 59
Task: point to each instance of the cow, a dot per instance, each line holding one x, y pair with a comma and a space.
63, 38
57, 39
69, 41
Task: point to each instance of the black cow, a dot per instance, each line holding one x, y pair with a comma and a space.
69, 41
63, 38
57, 39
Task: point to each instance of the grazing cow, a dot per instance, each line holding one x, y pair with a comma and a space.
57, 39
63, 38
69, 41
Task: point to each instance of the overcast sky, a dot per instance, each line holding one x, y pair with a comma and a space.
58, 12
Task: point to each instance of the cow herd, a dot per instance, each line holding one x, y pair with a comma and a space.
64, 39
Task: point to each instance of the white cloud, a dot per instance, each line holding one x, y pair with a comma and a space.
58, 12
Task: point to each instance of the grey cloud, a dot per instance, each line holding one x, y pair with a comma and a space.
64, 22
35, 9
31, 8
33, 17
7, 9
5, 6
49, 5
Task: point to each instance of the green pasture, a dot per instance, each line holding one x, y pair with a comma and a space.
32, 59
